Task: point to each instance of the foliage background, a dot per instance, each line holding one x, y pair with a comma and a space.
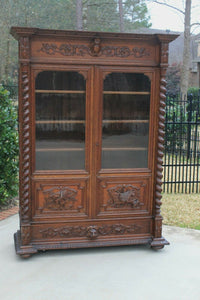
8, 147
61, 14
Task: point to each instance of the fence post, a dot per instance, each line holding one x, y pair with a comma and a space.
189, 109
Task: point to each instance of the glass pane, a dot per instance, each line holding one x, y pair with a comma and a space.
125, 129
60, 121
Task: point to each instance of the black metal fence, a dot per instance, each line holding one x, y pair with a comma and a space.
182, 143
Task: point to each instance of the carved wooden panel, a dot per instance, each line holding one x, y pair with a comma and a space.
123, 195
92, 230
94, 49
61, 197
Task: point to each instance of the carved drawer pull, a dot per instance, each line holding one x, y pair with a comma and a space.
92, 232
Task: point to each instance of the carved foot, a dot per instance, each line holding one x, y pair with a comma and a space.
25, 255
158, 243
157, 247
23, 251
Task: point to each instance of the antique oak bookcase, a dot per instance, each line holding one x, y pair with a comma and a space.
91, 123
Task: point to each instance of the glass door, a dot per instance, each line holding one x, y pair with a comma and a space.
60, 111
125, 121
123, 168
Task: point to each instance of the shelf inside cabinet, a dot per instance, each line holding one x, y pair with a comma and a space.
83, 122
104, 149
60, 122
59, 92
125, 93
59, 149
125, 121
125, 149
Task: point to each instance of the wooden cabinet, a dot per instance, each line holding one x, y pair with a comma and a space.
91, 113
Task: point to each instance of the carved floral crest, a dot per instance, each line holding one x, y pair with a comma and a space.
60, 197
124, 196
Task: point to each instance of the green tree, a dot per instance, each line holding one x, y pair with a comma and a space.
135, 15
62, 14
8, 147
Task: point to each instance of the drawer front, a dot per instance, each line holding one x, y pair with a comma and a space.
92, 231
60, 198
122, 196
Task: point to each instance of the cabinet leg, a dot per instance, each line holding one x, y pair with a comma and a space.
158, 243
23, 251
25, 255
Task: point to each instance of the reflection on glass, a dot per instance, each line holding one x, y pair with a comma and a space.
125, 127
60, 121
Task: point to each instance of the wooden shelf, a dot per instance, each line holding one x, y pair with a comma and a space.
59, 92
125, 149
83, 122
125, 93
104, 149
125, 121
60, 122
83, 92
59, 149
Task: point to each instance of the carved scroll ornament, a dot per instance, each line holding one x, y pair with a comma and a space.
94, 50
91, 232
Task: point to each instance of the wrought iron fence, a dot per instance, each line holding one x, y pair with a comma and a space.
182, 143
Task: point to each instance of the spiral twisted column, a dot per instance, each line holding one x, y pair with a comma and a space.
24, 117
159, 241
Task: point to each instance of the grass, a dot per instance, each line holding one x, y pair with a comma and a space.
182, 210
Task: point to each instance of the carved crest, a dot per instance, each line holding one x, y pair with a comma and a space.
95, 48
124, 196
59, 198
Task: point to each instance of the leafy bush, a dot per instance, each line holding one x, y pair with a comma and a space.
8, 148
194, 91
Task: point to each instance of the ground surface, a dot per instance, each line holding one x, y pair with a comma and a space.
118, 273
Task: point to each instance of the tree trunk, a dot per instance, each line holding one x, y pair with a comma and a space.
7, 61
121, 17
79, 17
186, 50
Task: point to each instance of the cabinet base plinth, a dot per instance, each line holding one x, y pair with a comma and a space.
159, 243
23, 251
29, 250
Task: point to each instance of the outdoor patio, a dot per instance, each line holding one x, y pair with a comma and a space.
121, 273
